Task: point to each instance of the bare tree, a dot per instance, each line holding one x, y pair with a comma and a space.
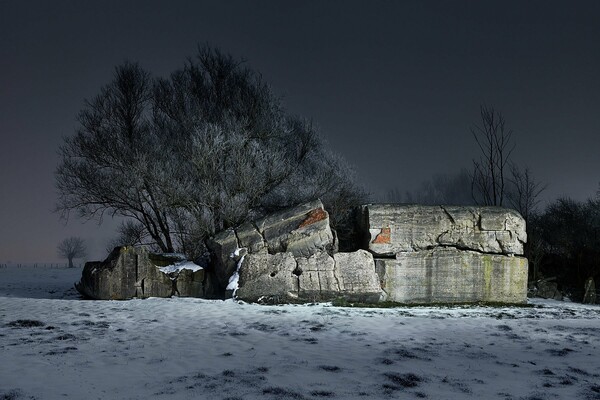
108, 165
71, 248
524, 193
489, 179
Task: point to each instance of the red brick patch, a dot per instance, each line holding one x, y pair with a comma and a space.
384, 237
314, 216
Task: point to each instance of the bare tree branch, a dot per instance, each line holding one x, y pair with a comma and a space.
488, 183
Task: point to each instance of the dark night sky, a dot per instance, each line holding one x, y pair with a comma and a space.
394, 86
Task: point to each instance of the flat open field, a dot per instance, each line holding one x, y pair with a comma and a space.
53, 345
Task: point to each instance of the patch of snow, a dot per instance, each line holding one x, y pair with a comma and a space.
179, 256
233, 283
177, 267
238, 252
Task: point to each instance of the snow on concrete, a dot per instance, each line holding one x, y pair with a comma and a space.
180, 265
53, 345
234, 281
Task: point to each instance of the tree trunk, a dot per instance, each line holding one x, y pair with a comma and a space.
71, 263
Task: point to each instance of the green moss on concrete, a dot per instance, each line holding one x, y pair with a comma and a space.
488, 269
391, 304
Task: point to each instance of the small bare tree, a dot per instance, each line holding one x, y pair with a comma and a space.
525, 191
71, 248
524, 196
488, 184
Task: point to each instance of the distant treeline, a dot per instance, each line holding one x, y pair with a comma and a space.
36, 265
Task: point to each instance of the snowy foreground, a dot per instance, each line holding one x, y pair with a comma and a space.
54, 346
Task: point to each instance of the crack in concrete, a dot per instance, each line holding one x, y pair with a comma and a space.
237, 239
337, 280
457, 247
297, 276
255, 226
438, 239
448, 215
499, 243
319, 278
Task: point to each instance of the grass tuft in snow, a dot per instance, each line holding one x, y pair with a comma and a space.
593, 393
547, 371
403, 354
400, 381
11, 395
66, 336
26, 323
282, 393
322, 393
330, 368
560, 353
341, 302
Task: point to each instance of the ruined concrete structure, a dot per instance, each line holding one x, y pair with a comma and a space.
441, 254
409, 254
393, 229
301, 231
291, 256
130, 272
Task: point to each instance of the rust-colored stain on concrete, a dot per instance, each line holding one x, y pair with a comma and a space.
384, 237
314, 216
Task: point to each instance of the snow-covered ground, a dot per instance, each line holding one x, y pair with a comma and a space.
55, 346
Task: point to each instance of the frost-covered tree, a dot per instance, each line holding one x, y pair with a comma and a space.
71, 248
186, 156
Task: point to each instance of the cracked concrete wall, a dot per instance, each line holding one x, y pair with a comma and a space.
285, 278
317, 278
269, 278
447, 254
448, 275
222, 246
390, 229
130, 272
357, 276
290, 260
424, 254
302, 231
